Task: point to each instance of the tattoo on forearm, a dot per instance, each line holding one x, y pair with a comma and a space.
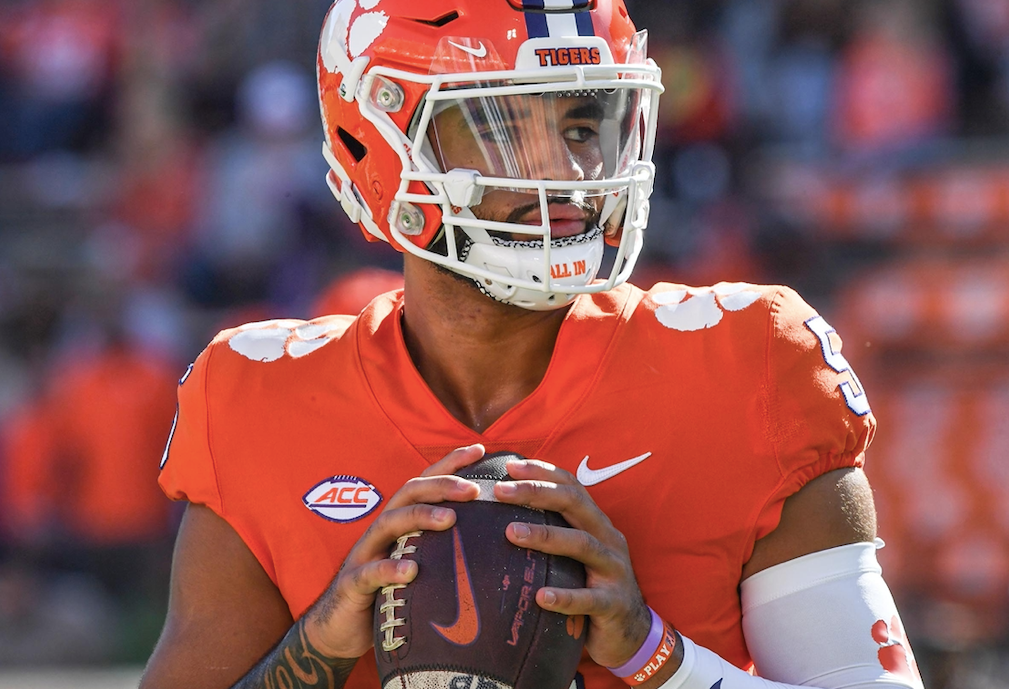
296, 664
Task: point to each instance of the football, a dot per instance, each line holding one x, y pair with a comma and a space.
469, 620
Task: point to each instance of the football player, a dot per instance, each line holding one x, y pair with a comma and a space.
705, 444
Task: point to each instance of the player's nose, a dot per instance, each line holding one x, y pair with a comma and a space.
552, 160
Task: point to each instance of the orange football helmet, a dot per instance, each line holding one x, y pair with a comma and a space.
502, 139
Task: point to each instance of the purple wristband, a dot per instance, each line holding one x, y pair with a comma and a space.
646, 651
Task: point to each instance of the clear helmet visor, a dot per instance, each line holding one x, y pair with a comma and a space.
560, 136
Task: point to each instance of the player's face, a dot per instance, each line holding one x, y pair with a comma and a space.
538, 137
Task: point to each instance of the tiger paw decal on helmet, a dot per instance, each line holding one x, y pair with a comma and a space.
352, 26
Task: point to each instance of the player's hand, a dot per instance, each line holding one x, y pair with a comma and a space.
618, 617
341, 622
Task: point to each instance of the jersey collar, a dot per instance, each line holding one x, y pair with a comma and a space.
579, 358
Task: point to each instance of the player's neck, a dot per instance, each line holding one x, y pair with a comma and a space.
479, 357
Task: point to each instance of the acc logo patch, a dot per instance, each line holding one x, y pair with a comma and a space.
343, 498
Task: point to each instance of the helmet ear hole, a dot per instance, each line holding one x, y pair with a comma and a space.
440, 21
353, 146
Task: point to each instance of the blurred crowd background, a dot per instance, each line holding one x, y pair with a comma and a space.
160, 179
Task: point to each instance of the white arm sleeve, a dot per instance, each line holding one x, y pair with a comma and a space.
823, 620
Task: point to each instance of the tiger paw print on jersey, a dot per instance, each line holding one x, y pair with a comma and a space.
271, 340
704, 307
895, 653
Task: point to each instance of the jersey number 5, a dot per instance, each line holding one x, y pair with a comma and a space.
851, 387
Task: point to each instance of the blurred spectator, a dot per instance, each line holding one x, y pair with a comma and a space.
750, 29
159, 169
981, 30
110, 416
235, 36
87, 534
82, 453
697, 104
263, 184
987, 25
894, 85
27, 447
58, 59
802, 73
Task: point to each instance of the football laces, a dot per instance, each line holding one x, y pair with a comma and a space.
391, 642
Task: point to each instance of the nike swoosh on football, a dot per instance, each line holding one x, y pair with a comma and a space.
466, 627
475, 52
590, 477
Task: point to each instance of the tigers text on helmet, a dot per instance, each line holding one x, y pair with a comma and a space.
501, 139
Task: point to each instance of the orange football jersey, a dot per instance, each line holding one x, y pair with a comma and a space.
689, 413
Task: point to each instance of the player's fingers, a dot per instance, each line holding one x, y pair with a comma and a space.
538, 470
556, 489
432, 489
574, 543
594, 602
625, 621
393, 524
455, 460
359, 584
569, 499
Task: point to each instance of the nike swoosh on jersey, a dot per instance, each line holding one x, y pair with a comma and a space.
466, 627
590, 477
475, 52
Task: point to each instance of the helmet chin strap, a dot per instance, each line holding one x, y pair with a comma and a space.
574, 261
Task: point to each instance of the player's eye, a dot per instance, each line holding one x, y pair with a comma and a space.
581, 134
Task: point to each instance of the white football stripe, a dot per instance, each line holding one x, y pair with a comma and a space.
486, 489
561, 25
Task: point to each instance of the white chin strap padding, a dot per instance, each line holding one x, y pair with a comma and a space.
574, 262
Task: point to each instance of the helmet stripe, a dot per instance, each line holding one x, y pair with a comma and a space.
583, 18
536, 21
584, 22
548, 18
